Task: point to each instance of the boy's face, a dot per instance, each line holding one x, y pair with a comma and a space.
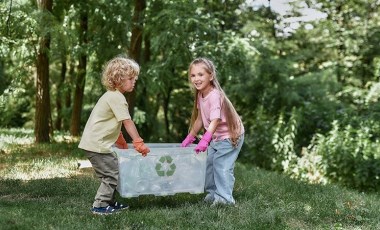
127, 85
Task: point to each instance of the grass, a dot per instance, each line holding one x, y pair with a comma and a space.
42, 188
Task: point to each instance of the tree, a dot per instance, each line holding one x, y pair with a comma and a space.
81, 75
43, 115
135, 47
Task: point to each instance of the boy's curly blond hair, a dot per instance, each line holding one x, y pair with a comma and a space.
117, 69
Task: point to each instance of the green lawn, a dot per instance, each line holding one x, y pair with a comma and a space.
42, 188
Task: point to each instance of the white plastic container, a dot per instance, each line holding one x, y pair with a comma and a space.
168, 169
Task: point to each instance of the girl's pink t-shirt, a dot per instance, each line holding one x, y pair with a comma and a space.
211, 108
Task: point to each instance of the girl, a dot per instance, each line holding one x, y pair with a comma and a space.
224, 134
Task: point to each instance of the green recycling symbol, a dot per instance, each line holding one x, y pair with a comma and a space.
165, 166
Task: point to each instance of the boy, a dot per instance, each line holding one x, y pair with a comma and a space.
103, 129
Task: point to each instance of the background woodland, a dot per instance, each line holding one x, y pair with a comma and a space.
307, 91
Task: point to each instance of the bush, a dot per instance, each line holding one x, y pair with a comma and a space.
14, 109
352, 157
257, 148
348, 156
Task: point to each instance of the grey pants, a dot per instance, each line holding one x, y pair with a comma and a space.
107, 170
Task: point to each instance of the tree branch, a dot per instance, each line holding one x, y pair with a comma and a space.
9, 17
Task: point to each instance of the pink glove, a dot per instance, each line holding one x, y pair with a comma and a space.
188, 140
203, 143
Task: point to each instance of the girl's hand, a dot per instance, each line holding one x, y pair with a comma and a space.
188, 140
203, 143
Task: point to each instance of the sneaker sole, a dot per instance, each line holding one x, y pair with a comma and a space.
104, 213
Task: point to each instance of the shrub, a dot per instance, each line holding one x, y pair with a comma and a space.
257, 149
348, 156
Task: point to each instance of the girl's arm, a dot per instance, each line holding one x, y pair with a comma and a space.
207, 136
190, 138
198, 124
213, 125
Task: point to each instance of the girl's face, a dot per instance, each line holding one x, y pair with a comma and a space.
201, 79
127, 85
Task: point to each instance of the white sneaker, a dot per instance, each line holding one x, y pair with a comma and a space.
209, 198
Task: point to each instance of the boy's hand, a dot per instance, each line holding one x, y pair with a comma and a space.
203, 143
120, 142
188, 140
140, 147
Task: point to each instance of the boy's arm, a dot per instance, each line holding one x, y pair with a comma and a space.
130, 126
138, 142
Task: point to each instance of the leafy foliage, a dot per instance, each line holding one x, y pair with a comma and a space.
351, 156
289, 79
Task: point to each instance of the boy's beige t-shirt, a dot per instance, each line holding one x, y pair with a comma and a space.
104, 124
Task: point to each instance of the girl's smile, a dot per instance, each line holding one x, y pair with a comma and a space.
201, 79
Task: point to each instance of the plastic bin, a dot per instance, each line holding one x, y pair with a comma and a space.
168, 169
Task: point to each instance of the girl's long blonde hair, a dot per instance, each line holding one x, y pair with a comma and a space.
233, 119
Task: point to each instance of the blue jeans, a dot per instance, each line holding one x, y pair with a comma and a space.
220, 180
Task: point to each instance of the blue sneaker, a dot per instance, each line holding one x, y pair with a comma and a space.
104, 210
117, 206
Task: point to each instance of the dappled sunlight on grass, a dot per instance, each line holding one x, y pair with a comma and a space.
23, 159
41, 169
20, 136
16, 131
65, 137
10, 138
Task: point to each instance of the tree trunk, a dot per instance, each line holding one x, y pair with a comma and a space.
81, 78
43, 114
150, 123
68, 97
166, 111
136, 43
58, 100
341, 49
